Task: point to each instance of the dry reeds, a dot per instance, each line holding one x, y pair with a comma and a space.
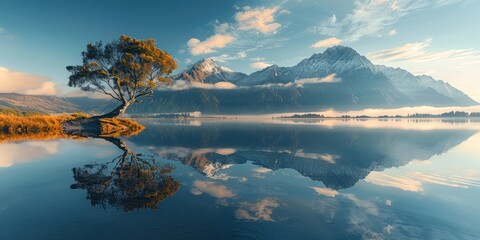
41, 127
46, 127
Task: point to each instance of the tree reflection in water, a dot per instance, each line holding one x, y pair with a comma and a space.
129, 182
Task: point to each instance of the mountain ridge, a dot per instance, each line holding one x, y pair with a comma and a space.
338, 78
349, 65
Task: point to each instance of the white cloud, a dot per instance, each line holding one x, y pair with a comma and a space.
418, 52
261, 210
394, 5
406, 184
257, 59
221, 27
366, 206
328, 79
260, 19
413, 181
262, 170
219, 85
23, 152
326, 43
211, 188
210, 45
440, 3
443, 179
370, 18
183, 85
373, 18
325, 157
177, 85
393, 32
299, 83
226, 151
227, 57
50, 147
388, 229
24, 83
196, 192
326, 191
456, 66
260, 65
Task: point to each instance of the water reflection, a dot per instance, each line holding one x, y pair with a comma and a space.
244, 180
337, 157
130, 181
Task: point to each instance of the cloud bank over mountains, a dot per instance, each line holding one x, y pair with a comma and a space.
25, 83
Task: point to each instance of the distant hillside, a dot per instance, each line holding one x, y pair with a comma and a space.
12, 111
51, 104
43, 104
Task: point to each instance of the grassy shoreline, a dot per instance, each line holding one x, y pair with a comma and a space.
46, 127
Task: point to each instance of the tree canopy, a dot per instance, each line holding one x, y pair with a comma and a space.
126, 69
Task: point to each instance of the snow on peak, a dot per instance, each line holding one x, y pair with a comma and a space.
206, 65
225, 69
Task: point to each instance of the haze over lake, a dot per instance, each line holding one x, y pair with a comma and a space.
273, 179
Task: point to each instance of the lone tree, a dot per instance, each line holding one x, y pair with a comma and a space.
127, 70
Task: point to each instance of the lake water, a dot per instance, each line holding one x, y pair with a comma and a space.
268, 179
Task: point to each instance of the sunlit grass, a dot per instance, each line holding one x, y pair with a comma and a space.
46, 127
39, 127
115, 127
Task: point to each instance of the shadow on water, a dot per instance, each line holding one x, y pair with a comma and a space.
129, 182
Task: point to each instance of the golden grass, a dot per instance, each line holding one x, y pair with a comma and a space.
41, 127
80, 115
47, 127
115, 127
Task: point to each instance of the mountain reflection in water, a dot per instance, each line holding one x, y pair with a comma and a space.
339, 157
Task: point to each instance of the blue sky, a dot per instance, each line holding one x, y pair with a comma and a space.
436, 37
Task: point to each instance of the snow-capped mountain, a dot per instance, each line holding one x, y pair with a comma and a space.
338, 59
207, 71
425, 88
335, 60
272, 74
358, 83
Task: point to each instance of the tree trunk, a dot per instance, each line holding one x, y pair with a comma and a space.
117, 111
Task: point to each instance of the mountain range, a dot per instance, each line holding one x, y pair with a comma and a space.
338, 78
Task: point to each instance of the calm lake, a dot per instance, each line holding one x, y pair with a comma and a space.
241, 179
